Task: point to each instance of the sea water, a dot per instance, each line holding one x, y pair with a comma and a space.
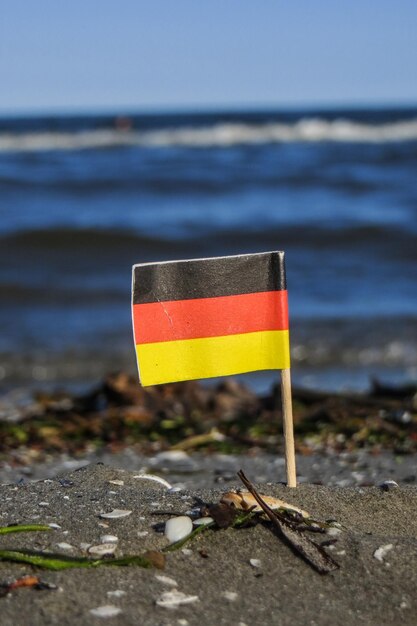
83, 198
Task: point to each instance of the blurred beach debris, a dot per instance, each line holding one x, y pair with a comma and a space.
28, 581
226, 418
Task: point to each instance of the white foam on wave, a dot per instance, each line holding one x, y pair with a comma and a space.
220, 135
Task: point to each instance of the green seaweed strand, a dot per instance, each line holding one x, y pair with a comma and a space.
23, 528
57, 562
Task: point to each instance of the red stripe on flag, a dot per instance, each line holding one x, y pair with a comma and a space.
210, 317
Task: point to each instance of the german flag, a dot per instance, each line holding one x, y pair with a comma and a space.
210, 317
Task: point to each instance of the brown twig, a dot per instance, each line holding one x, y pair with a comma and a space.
314, 554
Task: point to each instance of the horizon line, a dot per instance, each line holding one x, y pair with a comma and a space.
209, 108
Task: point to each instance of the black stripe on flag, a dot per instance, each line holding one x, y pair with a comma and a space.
208, 278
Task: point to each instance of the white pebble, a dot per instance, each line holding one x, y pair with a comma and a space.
117, 482
109, 539
187, 551
381, 552
230, 595
54, 526
178, 528
255, 562
203, 521
43, 503
116, 514
108, 610
142, 533
166, 580
103, 549
173, 599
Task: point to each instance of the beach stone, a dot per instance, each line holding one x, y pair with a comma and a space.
178, 528
173, 460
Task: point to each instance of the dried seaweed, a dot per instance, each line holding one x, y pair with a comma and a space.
226, 418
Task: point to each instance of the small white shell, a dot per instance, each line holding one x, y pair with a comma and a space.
117, 593
178, 528
230, 595
255, 562
108, 610
116, 514
103, 549
381, 552
202, 521
166, 580
174, 598
388, 485
109, 539
65, 546
156, 479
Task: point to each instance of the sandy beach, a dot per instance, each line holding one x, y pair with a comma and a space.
376, 550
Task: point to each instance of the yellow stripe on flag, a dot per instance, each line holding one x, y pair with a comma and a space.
173, 361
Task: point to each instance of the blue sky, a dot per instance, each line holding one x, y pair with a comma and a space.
162, 54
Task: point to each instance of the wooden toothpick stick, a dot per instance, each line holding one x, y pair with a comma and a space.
286, 400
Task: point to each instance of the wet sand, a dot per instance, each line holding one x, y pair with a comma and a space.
215, 566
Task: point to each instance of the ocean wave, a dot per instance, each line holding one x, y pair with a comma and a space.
80, 243
61, 238
307, 130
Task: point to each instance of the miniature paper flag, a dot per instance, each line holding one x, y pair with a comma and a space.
210, 317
